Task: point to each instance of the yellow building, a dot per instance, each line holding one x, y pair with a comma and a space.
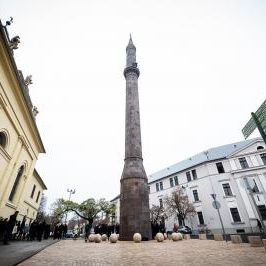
21, 186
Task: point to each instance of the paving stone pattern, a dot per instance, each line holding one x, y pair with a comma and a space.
186, 252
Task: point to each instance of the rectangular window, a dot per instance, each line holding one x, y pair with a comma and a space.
243, 162
220, 167
235, 215
227, 190
263, 158
161, 185
255, 188
196, 195
149, 189
157, 186
188, 176
33, 190
200, 216
194, 174
251, 184
171, 182
161, 203
262, 210
38, 196
176, 180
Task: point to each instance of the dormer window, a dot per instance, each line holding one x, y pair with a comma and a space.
260, 148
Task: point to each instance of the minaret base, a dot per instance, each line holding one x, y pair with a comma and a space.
134, 209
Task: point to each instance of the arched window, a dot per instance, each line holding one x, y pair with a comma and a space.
19, 175
260, 148
3, 139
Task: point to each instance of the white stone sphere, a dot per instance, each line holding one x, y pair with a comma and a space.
98, 238
91, 237
113, 238
180, 236
159, 237
104, 237
175, 237
137, 237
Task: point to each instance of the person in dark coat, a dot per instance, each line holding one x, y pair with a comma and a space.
5, 229
2, 228
39, 230
64, 230
21, 228
9, 227
33, 230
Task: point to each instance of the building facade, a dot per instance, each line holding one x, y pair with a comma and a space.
234, 173
20, 141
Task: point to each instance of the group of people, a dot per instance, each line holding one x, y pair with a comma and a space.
11, 229
157, 227
60, 231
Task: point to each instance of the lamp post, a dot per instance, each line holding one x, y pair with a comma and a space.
217, 206
70, 191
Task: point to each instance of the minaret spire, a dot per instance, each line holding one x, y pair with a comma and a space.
131, 52
134, 195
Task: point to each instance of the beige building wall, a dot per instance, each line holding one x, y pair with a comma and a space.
22, 142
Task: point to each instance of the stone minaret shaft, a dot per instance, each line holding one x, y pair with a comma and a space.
134, 195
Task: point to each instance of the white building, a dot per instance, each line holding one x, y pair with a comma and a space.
235, 172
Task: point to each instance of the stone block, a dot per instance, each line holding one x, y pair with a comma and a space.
264, 243
255, 241
218, 237
202, 237
236, 239
186, 236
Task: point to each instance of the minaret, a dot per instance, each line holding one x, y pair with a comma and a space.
134, 195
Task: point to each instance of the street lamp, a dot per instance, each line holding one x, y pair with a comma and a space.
216, 204
70, 191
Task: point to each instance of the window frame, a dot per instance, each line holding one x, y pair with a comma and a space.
195, 195
38, 196
220, 168
194, 174
161, 185
171, 182
176, 182
227, 189
200, 218
16, 183
236, 213
243, 162
188, 174
33, 191
263, 158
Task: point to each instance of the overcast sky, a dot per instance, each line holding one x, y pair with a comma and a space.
202, 66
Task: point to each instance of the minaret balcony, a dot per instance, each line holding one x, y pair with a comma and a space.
131, 69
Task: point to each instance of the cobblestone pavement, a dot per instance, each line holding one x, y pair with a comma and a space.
18, 251
185, 252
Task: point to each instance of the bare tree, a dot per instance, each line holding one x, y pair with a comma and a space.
157, 214
177, 204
